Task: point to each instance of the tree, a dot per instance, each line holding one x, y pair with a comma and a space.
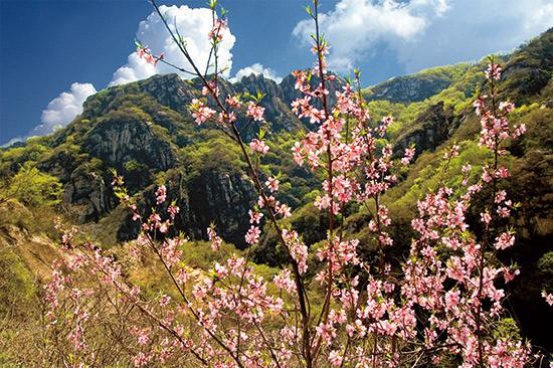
31, 187
327, 306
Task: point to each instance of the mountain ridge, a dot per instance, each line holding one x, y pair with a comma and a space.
143, 130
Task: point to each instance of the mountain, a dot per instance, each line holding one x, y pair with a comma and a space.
447, 118
419, 86
145, 131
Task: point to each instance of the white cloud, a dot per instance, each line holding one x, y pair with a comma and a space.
354, 26
60, 111
426, 33
63, 109
256, 69
438, 6
472, 29
193, 24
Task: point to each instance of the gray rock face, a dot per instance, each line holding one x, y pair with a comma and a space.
87, 194
60, 165
169, 90
408, 89
137, 123
85, 190
277, 109
115, 139
224, 199
429, 130
291, 94
125, 137
213, 196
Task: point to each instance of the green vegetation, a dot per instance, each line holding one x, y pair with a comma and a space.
32, 188
144, 131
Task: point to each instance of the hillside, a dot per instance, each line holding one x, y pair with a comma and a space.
144, 130
419, 86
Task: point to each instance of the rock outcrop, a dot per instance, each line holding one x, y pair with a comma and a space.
277, 108
291, 94
87, 194
433, 127
212, 197
125, 135
224, 199
408, 89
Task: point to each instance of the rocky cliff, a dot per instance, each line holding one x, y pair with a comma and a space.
431, 128
419, 86
144, 130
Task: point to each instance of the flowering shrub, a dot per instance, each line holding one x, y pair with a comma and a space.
441, 308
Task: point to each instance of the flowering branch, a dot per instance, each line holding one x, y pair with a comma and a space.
443, 303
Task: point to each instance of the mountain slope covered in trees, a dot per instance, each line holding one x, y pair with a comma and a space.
145, 132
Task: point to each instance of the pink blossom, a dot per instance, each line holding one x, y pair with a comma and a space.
165, 300
452, 299
335, 358
326, 332
210, 88
255, 217
259, 146
161, 194
504, 241
408, 155
486, 218
284, 281
173, 211
255, 112
140, 360
216, 33
233, 102
297, 249
273, 184
506, 106
519, 130
548, 297
322, 202
503, 172
509, 275
453, 152
216, 240
283, 210
493, 72
253, 235
76, 338
200, 112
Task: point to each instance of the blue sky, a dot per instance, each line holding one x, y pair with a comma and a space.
53, 54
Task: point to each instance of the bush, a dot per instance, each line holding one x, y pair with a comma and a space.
32, 188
